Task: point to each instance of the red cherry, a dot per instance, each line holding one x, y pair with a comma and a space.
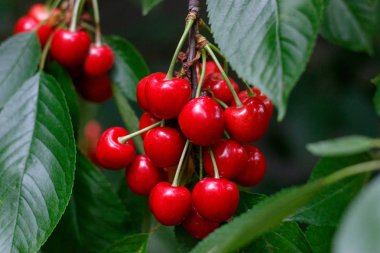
211, 67
40, 13
201, 121
96, 89
169, 204
198, 226
231, 158
146, 120
70, 48
141, 175
247, 123
28, 24
216, 84
166, 98
99, 60
255, 170
111, 153
92, 133
215, 199
164, 145
244, 96
140, 92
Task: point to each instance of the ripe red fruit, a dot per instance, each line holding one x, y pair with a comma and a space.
244, 96
140, 91
99, 60
96, 89
70, 48
141, 175
198, 226
166, 98
146, 120
255, 170
247, 123
28, 24
211, 67
215, 199
164, 145
201, 121
218, 86
169, 204
110, 153
40, 13
231, 158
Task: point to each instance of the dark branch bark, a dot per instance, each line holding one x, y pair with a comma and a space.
192, 73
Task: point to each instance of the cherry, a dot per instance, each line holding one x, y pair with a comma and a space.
166, 98
164, 145
211, 67
201, 121
231, 158
70, 48
140, 92
141, 175
248, 122
99, 60
254, 172
92, 133
218, 86
28, 24
112, 154
96, 89
40, 13
198, 226
215, 199
244, 96
169, 204
146, 120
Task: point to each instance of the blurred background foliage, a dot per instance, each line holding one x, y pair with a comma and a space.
333, 97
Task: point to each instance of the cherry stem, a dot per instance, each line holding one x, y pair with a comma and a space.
188, 26
49, 4
236, 98
204, 25
75, 17
224, 105
227, 134
45, 53
200, 162
98, 34
249, 90
176, 176
216, 50
216, 171
203, 71
124, 139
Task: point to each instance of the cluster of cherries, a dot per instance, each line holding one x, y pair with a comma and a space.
171, 125
88, 63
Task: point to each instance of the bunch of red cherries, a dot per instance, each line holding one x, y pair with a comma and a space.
214, 128
71, 47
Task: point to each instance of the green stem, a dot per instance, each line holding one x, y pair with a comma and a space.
75, 17
124, 139
204, 25
227, 134
176, 176
216, 171
216, 50
49, 4
224, 105
98, 34
189, 24
45, 53
200, 162
249, 90
236, 98
375, 143
203, 71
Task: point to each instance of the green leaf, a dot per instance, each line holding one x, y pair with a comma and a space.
148, 5
95, 217
350, 24
360, 227
185, 242
19, 57
320, 238
376, 97
129, 67
328, 206
37, 162
267, 43
247, 200
135, 243
67, 86
348, 145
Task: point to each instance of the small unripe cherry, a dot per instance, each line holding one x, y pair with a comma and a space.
255, 170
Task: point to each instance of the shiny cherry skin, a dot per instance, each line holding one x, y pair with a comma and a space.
211, 67
70, 48
146, 120
215, 199
110, 153
217, 85
166, 98
231, 158
96, 89
99, 60
169, 204
164, 145
244, 96
256, 167
201, 121
247, 123
141, 175
40, 13
140, 92
28, 24
197, 226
